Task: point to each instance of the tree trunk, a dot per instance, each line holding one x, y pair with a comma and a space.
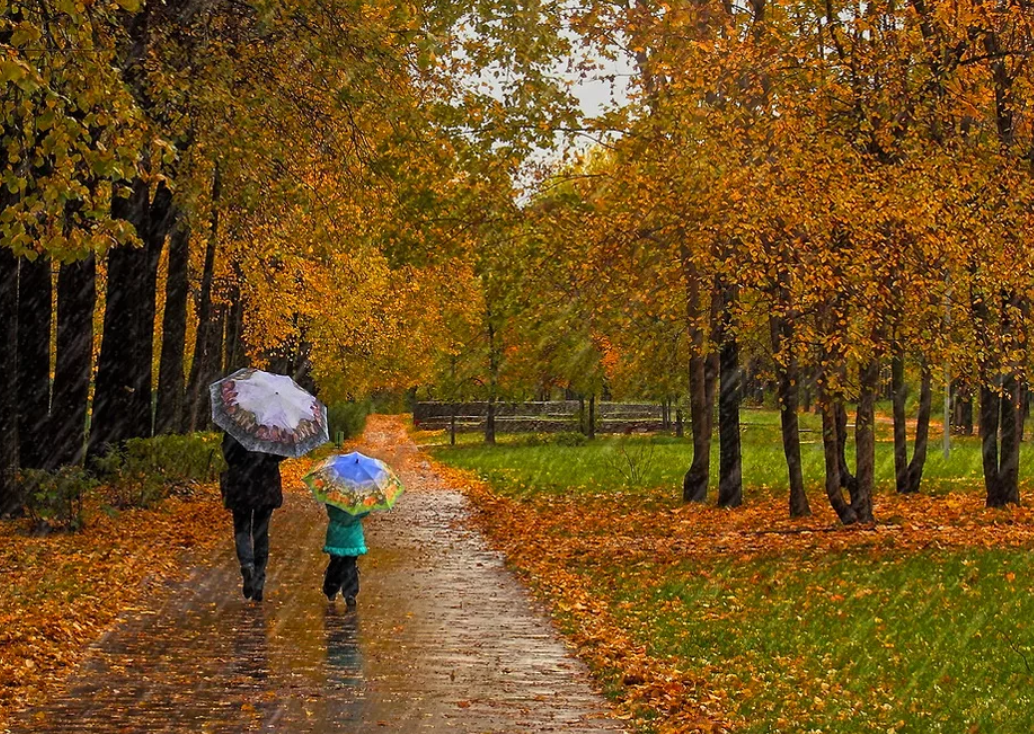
787, 391
10, 496
679, 430
160, 217
591, 432
1009, 467
493, 381
695, 483
76, 299
990, 412
898, 388
730, 467
697, 478
490, 421
34, 314
452, 425
115, 415
199, 367
831, 455
169, 416
235, 352
918, 462
865, 442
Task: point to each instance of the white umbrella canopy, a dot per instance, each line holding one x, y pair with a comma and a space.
269, 413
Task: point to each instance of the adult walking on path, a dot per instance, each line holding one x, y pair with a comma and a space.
266, 417
251, 489
445, 640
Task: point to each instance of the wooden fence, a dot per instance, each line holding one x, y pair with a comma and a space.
540, 417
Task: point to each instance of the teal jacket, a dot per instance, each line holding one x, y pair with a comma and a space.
345, 533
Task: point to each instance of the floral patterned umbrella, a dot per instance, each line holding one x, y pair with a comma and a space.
269, 413
355, 483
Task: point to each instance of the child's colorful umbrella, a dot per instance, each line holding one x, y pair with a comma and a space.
269, 413
354, 483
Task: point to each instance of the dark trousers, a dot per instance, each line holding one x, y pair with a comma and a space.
342, 575
251, 536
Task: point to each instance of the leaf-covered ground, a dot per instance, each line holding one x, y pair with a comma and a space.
60, 591
700, 619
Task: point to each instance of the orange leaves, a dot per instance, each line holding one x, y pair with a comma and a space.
61, 591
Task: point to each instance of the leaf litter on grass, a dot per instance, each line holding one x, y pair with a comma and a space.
599, 556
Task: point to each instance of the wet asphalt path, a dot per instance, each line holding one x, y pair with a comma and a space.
444, 638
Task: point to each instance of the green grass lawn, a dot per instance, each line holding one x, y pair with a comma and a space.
854, 642
832, 641
536, 464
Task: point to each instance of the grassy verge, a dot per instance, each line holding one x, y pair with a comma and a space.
647, 462
698, 619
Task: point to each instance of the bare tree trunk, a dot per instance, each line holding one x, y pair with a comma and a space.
730, 466
10, 496
115, 415
787, 390
918, 462
697, 478
1009, 468
990, 413
898, 389
200, 366
76, 299
831, 454
865, 441
34, 314
169, 417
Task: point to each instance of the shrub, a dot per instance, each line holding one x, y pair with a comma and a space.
147, 470
570, 439
348, 418
54, 500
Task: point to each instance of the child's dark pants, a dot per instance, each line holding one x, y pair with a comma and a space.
342, 575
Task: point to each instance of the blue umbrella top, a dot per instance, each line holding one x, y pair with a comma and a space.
358, 468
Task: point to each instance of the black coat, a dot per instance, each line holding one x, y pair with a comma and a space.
251, 479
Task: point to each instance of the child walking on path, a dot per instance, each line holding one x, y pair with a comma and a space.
345, 543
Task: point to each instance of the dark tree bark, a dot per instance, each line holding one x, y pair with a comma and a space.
990, 413
679, 430
169, 415
701, 391
452, 425
196, 397
76, 299
591, 428
865, 442
493, 382
490, 421
847, 479
116, 416
899, 395
730, 466
235, 352
918, 462
909, 473
34, 313
1009, 467
831, 455
160, 218
787, 390
10, 497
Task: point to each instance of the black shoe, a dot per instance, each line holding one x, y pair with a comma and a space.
350, 602
248, 587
